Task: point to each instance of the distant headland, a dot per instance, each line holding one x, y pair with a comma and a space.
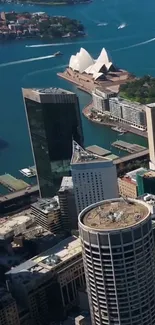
15, 25
48, 2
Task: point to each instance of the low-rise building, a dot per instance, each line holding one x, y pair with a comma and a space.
8, 309
128, 183
47, 214
69, 218
47, 285
127, 187
15, 225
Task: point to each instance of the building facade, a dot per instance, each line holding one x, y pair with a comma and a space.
101, 100
47, 214
128, 112
8, 309
118, 254
48, 284
146, 182
150, 115
94, 177
53, 119
127, 187
69, 218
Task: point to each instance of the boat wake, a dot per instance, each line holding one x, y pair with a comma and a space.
135, 45
122, 26
27, 60
102, 24
52, 44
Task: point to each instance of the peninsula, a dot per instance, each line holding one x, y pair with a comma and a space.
48, 2
15, 25
141, 90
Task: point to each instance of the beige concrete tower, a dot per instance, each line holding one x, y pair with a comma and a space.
150, 114
118, 254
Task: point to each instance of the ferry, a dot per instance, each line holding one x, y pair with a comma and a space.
118, 129
58, 53
122, 26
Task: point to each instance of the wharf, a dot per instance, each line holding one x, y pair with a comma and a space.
12, 183
132, 148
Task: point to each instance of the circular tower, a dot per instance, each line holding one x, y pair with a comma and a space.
118, 253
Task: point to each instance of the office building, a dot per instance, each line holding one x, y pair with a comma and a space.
53, 119
146, 182
47, 285
128, 112
47, 214
118, 254
8, 309
150, 115
94, 177
69, 218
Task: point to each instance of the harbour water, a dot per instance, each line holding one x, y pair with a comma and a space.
131, 48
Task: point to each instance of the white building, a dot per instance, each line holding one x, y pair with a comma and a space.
83, 62
101, 100
94, 177
128, 112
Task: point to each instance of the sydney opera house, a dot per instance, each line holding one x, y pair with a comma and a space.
83, 62
88, 73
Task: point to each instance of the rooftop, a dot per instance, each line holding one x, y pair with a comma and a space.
51, 90
66, 184
83, 156
46, 261
12, 224
134, 172
149, 173
98, 150
115, 214
126, 102
47, 205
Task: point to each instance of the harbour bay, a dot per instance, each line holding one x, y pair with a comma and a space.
131, 47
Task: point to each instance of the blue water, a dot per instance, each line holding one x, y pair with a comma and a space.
132, 48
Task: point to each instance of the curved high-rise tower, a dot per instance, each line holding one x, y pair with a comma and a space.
118, 253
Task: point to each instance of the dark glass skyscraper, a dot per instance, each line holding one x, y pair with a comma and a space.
53, 118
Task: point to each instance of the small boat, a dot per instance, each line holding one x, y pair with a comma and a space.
122, 26
58, 53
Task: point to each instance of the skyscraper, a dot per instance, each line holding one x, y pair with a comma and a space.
118, 254
53, 119
94, 177
150, 116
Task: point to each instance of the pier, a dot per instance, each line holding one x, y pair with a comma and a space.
132, 148
12, 183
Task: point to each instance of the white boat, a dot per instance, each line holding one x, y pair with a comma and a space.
122, 26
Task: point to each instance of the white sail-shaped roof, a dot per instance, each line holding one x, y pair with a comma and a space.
81, 61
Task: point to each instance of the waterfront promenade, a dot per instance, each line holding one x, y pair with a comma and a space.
107, 122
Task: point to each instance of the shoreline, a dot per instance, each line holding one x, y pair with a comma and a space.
87, 110
41, 3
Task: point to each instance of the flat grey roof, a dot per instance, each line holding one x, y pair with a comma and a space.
98, 150
66, 184
52, 90
115, 214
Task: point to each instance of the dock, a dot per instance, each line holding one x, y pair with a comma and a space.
12, 183
98, 150
132, 148
28, 172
